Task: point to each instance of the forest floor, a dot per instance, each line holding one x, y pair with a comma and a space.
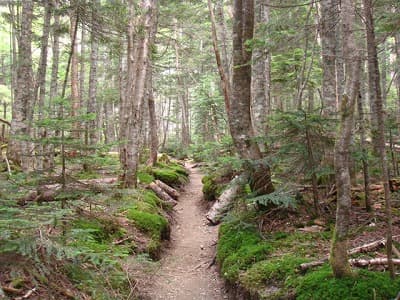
187, 269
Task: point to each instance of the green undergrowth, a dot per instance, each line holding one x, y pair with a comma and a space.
90, 241
211, 188
266, 266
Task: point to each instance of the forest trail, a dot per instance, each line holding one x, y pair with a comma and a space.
185, 272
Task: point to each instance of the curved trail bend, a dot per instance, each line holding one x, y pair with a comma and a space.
185, 272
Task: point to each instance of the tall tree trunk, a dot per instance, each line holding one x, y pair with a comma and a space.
138, 59
339, 257
40, 85
182, 95
378, 126
75, 97
222, 62
92, 100
329, 17
22, 109
397, 79
239, 115
261, 74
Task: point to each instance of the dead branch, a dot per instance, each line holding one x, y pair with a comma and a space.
360, 249
169, 190
371, 262
11, 290
5, 122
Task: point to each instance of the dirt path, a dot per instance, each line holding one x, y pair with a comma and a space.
185, 273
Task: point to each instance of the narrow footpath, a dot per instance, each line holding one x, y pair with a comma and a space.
186, 272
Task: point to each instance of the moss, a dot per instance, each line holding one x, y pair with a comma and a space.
151, 198
210, 189
272, 271
238, 249
321, 284
100, 229
172, 173
155, 225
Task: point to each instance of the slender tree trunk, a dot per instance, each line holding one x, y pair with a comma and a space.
260, 85
339, 256
379, 124
397, 79
92, 100
223, 69
329, 17
182, 95
22, 109
40, 85
75, 97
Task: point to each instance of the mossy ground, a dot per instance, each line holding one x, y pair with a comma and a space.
267, 265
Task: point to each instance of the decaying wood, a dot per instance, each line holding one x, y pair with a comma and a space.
11, 290
169, 190
372, 262
223, 203
361, 249
162, 194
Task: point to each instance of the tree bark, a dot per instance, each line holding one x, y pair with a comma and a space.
329, 20
92, 100
223, 69
22, 108
138, 60
378, 126
75, 97
261, 74
339, 256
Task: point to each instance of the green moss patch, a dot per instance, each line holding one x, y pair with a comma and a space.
211, 189
172, 174
321, 284
155, 225
238, 249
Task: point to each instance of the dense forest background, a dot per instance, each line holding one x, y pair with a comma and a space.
285, 104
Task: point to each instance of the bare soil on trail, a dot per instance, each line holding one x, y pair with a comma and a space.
187, 271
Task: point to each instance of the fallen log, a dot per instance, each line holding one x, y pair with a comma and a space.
360, 249
162, 194
223, 203
169, 190
358, 262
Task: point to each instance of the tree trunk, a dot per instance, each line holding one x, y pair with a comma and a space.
138, 59
22, 108
152, 121
75, 97
378, 126
239, 116
339, 256
223, 69
329, 18
92, 100
260, 76
40, 85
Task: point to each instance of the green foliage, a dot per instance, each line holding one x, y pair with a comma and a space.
321, 284
145, 177
279, 198
303, 139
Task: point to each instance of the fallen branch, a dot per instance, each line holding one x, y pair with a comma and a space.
162, 194
11, 290
357, 262
5, 122
361, 249
169, 190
